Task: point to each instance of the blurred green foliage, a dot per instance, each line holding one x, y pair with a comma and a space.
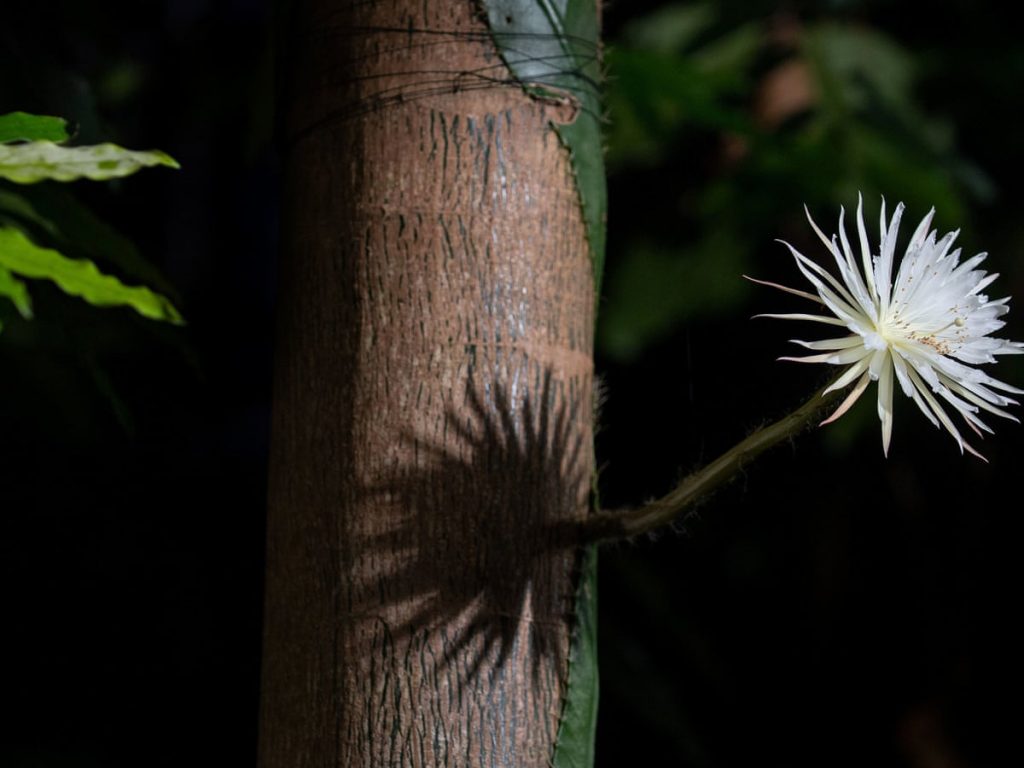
832, 609
29, 153
21, 126
727, 128
76, 277
831, 600
48, 236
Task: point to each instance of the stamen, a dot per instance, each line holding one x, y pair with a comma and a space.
958, 321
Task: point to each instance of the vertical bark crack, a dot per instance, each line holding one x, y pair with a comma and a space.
432, 437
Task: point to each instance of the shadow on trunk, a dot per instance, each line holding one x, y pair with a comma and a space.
519, 463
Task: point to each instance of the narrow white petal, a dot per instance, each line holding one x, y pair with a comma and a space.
975, 423
983, 283
794, 291
807, 359
879, 362
843, 343
885, 403
842, 357
900, 366
801, 316
940, 414
882, 222
929, 329
851, 373
817, 230
883, 267
836, 287
963, 407
1003, 386
917, 239
838, 305
919, 402
865, 248
851, 272
850, 399
973, 398
852, 288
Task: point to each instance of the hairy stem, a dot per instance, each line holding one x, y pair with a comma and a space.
609, 525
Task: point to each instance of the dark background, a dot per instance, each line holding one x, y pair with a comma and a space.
831, 607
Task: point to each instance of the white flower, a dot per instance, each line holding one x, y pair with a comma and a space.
929, 328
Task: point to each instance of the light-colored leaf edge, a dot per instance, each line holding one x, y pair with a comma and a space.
80, 277
44, 160
72, 228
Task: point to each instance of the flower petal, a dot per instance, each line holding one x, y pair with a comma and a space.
843, 357
940, 414
844, 343
865, 249
849, 375
885, 402
794, 291
850, 399
839, 306
928, 329
883, 266
800, 316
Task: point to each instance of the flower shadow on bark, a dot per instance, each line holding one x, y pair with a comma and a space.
489, 528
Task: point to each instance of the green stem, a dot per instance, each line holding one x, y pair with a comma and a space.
609, 525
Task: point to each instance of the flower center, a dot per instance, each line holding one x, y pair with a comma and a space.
895, 330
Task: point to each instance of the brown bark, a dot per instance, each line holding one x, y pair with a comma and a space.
432, 404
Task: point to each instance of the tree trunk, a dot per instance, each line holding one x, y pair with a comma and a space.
432, 400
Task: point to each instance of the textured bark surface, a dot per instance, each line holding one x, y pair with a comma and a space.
432, 414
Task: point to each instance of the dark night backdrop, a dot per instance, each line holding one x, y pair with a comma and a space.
829, 608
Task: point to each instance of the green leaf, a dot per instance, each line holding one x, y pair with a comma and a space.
671, 28
656, 98
655, 287
78, 277
731, 56
17, 292
554, 46
575, 745
53, 211
39, 160
857, 61
21, 126
12, 204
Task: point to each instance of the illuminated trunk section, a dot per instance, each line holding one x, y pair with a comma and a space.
432, 400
